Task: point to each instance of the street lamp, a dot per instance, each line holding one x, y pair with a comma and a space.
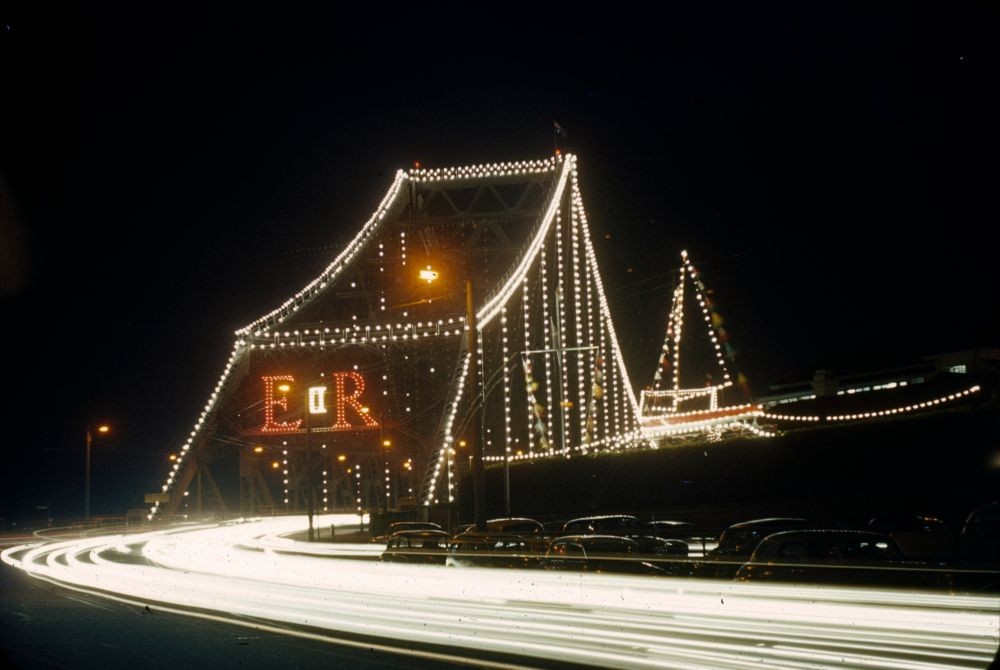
103, 429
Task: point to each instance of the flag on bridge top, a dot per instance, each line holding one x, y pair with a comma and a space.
559, 130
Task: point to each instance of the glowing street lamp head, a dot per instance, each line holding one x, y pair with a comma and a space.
258, 449
284, 388
386, 443
429, 275
342, 458
104, 429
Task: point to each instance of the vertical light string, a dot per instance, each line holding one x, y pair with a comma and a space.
547, 339
479, 395
606, 397
388, 481
448, 439
581, 367
449, 461
561, 335
678, 321
529, 395
284, 470
595, 369
326, 499
666, 352
712, 335
357, 486
504, 348
631, 406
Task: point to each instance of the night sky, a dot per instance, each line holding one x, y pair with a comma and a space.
167, 175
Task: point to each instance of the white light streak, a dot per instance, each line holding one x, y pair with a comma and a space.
250, 569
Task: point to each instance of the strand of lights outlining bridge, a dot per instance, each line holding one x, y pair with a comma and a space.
247, 569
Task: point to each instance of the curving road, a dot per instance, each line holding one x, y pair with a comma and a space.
248, 572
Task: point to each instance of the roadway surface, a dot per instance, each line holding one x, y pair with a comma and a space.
45, 626
302, 605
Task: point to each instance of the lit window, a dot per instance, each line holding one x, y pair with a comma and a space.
958, 369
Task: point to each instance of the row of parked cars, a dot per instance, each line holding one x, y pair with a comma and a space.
612, 543
909, 550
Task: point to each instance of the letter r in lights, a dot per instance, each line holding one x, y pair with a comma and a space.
317, 402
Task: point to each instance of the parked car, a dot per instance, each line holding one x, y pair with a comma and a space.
528, 528
405, 525
598, 553
608, 524
417, 546
841, 557
625, 525
979, 549
698, 544
532, 531
516, 525
738, 542
740, 539
919, 536
494, 550
980, 536
670, 530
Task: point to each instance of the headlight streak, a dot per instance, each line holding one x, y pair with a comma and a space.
249, 569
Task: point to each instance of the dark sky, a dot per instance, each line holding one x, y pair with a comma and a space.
168, 174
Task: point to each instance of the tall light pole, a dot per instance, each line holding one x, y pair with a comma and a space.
101, 430
386, 443
315, 404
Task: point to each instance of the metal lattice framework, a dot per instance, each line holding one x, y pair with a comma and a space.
552, 379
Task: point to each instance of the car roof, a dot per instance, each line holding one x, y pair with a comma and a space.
985, 514
473, 536
668, 523
603, 517
769, 522
888, 519
587, 539
829, 534
420, 533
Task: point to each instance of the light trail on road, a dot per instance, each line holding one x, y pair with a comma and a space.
248, 569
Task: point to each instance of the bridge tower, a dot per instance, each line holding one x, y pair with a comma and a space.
368, 362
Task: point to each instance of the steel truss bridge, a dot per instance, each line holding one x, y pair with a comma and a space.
381, 336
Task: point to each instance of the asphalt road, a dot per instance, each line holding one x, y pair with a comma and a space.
46, 626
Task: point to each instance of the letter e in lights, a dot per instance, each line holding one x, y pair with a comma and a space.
270, 402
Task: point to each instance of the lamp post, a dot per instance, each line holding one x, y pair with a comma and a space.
103, 429
386, 443
315, 404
